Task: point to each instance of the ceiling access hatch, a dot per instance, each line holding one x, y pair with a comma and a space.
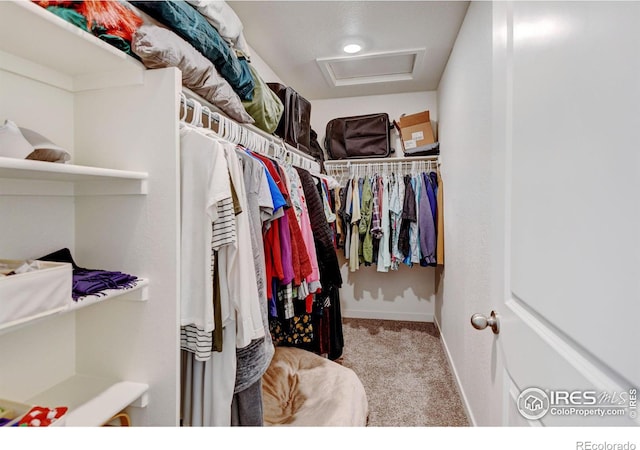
372, 68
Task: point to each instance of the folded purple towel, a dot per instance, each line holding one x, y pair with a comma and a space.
91, 281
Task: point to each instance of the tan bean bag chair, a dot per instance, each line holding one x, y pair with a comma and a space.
301, 388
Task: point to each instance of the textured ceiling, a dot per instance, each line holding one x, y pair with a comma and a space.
291, 35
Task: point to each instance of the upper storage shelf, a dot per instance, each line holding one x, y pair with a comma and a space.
38, 44
26, 177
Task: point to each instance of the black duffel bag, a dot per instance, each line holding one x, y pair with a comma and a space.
295, 123
365, 136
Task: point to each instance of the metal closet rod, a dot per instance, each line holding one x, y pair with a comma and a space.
193, 96
341, 169
407, 160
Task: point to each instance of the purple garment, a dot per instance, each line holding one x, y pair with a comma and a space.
431, 180
273, 308
285, 250
93, 282
426, 226
433, 202
90, 281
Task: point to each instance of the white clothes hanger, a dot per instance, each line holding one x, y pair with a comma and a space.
229, 130
232, 131
183, 101
207, 113
196, 118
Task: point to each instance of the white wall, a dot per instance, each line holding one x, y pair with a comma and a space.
265, 71
322, 111
406, 294
464, 101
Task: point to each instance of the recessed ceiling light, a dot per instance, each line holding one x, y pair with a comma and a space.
352, 48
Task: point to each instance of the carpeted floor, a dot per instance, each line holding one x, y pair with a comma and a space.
404, 371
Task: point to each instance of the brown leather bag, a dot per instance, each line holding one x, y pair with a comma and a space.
365, 136
295, 124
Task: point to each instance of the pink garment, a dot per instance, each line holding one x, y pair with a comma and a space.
307, 235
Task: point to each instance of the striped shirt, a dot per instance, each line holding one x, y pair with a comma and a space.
193, 338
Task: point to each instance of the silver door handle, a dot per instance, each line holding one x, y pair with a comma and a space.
480, 322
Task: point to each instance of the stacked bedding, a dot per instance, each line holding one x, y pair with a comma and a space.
202, 38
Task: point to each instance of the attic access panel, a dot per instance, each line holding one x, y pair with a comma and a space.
372, 68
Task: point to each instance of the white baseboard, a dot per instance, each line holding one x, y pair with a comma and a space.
387, 315
465, 401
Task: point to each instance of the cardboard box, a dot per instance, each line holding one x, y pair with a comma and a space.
416, 130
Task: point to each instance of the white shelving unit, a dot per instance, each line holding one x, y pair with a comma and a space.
116, 207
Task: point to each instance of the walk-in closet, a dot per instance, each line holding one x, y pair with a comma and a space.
319, 213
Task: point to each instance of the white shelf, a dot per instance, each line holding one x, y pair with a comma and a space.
92, 401
27, 177
140, 293
68, 57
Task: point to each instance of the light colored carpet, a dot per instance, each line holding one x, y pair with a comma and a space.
404, 371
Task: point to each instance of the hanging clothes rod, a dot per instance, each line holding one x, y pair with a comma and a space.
407, 159
291, 154
345, 169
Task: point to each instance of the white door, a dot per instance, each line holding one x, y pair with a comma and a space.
567, 232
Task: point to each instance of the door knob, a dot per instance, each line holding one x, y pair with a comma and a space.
480, 322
